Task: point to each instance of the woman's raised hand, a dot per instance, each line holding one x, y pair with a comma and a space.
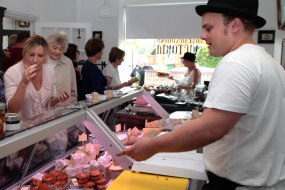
29, 73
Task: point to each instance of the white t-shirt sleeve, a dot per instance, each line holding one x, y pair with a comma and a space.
232, 87
108, 71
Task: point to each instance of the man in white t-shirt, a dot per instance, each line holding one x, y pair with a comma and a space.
242, 127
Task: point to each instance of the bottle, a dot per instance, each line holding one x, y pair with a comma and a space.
198, 92
2, 120
12, 121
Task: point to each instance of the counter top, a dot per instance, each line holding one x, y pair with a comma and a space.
129, 180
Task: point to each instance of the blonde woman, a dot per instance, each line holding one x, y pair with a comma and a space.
28, 84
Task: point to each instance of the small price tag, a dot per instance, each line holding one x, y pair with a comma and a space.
38, 176
82, 137
118, 128
74, 182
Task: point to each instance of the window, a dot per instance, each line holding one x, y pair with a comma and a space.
165, 55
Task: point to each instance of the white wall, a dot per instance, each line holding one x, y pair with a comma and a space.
89, 11
112, 27
46, 10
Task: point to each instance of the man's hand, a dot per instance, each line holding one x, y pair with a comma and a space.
140, 148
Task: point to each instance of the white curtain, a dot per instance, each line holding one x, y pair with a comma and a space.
162, 21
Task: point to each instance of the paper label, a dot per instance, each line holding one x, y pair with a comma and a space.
82, 137
118, 128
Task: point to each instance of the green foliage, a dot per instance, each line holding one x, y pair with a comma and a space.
141, 50
204, 59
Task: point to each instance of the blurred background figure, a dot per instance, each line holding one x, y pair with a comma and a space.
138, 74
16, 50
61, 68
192, 76
73, 53
12, 40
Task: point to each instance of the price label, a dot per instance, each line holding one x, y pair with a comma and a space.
82, 137
118, 128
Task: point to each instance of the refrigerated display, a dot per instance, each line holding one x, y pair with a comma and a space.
86, 114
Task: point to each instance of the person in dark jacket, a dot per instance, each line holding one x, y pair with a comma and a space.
92, 77
16, 51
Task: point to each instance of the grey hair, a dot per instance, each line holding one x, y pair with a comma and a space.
59, 39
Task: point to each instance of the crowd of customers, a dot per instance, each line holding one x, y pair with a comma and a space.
45, 73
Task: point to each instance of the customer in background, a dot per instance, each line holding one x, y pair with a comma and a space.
111, 72
28, 84
242, 127
61, 68
138, 74
92, 77
63, 72
12, 40
192, 76
16, 50
73, 53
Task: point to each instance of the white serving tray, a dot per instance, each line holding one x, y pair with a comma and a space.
184, 164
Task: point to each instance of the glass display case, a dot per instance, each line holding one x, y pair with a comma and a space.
86, 114
34, 130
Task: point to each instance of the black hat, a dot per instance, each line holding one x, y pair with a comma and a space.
243, 8
189, 56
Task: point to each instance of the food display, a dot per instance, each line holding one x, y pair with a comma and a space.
85, 169
164, 124
53, 180
93, 179
87, 166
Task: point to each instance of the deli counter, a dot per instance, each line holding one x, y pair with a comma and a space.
87, 115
